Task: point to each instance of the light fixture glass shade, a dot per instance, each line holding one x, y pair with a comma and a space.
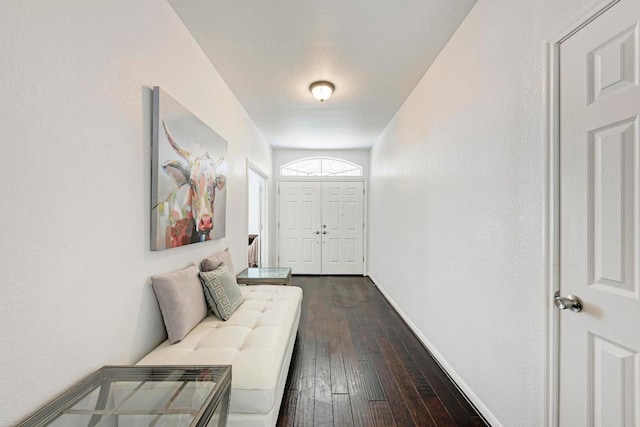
321, 90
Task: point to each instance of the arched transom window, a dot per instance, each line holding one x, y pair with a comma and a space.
320, 166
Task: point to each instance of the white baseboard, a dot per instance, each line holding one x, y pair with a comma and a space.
464, 388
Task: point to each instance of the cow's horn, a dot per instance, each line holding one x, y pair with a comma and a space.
181, 151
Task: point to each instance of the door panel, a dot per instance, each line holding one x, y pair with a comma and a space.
299, 229
350, 252
333, 250
612, 194
614, 370
343, 223
600, 220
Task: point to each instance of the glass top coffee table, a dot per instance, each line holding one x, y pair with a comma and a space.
142, 396
265, 276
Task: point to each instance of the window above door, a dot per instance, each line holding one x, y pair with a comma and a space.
320, 166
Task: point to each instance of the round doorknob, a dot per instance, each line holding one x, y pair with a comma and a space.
324, 232
571, 302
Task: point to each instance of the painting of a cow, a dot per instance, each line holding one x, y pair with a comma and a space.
188, 194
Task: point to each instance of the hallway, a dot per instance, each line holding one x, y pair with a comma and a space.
356, 363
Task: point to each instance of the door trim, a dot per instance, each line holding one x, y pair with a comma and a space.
551, 205
265, 254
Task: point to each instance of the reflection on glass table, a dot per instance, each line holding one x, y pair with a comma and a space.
138, 396
265, 276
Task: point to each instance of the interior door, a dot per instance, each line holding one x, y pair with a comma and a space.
600, 222
299, 227
342, 227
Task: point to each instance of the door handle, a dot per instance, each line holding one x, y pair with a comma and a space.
571, 302
324, 232
317, 232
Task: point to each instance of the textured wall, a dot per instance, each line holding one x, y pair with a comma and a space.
456, 192
75, 80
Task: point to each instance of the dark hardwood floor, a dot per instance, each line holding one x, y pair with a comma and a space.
356, 363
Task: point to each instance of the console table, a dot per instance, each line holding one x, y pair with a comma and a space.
265, 276
143, 396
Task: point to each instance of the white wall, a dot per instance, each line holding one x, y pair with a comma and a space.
456, 191
75, 263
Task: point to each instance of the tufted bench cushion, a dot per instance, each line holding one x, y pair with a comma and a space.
257, 341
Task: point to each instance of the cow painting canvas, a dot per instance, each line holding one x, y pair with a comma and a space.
188, 177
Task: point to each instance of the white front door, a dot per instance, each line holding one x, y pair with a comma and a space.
299, 227
342, 227
600, 220
321, 227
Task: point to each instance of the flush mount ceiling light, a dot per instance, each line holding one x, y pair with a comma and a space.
321, 90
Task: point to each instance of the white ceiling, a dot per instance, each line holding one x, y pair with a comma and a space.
270, 51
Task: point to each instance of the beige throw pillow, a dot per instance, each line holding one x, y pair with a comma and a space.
181, 301
211, 263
